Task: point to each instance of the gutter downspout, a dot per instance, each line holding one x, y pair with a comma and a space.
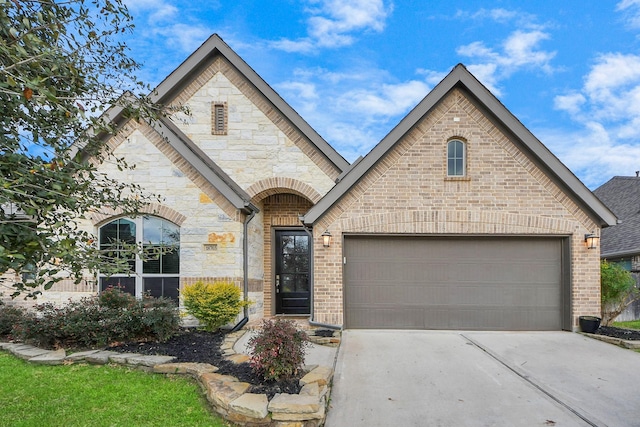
245, 265
312, 282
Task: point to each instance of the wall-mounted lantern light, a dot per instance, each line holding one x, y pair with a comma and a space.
326, 239
591, 240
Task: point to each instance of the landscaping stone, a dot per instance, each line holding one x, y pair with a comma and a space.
208, 377
149, 361
322, 375
7, 345
283, 403
122, 358
27, 352
195, 369
51, 358
311, 389
297, 416
251, 405
81, 355
223, 393
238, 358
243, 420
100, 357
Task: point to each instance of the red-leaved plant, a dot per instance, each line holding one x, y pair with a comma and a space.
278, 350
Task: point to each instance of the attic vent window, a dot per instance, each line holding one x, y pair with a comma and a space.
219, 118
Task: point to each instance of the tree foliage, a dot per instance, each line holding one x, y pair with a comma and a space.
61, 64
618, 290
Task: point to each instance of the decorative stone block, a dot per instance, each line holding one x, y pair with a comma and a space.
51, 358
223, 393
27, 352
80, 356
238, 358
293, 404
322, 375
196, 369
299, 416
251, 405
100, 357
149, 361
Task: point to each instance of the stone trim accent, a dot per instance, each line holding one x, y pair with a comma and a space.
279, 185
221, 65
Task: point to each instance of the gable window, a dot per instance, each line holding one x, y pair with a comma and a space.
157, 273
219, 118
456, 158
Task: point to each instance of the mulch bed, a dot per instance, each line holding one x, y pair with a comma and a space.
192, 345
625, 334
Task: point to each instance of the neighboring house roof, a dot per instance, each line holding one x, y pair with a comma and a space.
530, 145
170, 87
621, 194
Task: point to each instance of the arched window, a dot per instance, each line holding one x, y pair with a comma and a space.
158, 274
456, 158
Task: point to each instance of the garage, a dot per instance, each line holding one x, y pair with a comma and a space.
466, 283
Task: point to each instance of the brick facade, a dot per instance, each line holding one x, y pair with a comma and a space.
408, 192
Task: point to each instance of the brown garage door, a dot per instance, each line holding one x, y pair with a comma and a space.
454, 283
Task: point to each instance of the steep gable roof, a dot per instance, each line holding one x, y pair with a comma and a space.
621, 194
460, 77
171, 86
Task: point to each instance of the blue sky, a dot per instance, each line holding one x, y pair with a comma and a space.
569, 70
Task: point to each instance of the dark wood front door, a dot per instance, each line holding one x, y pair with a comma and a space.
293, 293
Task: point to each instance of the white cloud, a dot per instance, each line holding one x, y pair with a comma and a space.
333, 22
520, 50
185, 37
157, 10
631, 8
353, 110
571, 102
607, 107
388, 100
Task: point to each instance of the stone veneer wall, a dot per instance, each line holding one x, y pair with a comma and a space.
260, 143
408, 191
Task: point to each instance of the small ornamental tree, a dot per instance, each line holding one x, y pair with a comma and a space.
214, 305
618, 290
277, 351
62, 64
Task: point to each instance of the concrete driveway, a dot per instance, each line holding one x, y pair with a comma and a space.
436, 378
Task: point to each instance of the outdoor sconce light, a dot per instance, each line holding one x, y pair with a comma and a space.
591, 241
326, 239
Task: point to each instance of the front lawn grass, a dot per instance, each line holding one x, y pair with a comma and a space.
97, 395
630, 324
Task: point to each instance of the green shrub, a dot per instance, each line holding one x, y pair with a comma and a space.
87, 323
618, 290
214, 305
115, 297
9, 316
278, 350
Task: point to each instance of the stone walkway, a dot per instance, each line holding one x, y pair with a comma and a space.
227, 396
